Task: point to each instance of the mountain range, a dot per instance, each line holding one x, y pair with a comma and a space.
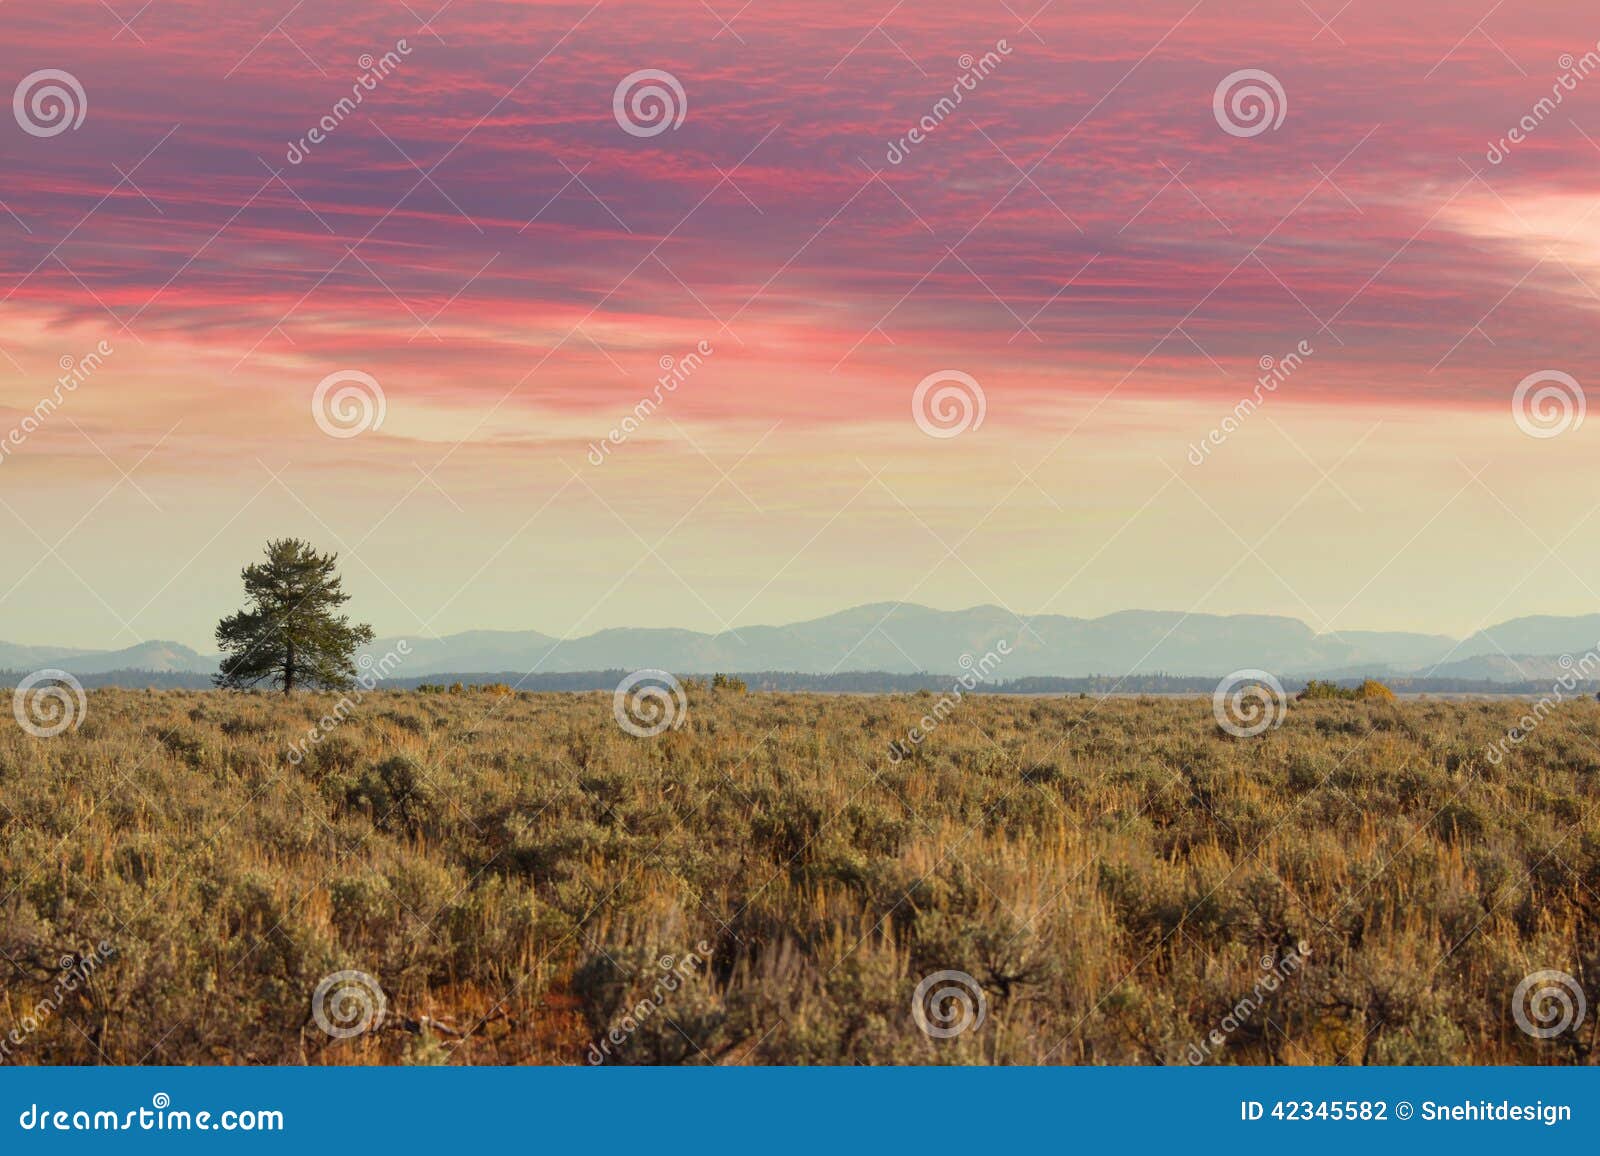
905, 638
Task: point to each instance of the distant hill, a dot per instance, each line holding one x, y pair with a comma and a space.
150, 656
902, 638
1539, 634
905, 638
1541, 668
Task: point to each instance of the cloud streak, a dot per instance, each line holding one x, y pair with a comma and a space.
482, 236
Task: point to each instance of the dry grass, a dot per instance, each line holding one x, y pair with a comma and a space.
1112, 874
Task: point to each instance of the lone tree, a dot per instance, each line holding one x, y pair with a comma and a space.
289, 633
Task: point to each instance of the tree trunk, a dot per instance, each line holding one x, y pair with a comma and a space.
288, 669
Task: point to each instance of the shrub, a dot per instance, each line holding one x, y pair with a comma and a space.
1370, 690
1112, 878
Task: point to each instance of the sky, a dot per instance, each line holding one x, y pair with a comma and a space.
1003, 349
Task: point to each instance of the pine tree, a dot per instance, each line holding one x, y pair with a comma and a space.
289, 633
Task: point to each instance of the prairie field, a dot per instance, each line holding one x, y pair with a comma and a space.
1118, 880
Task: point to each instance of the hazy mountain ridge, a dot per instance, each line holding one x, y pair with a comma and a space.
156, 656
902, 638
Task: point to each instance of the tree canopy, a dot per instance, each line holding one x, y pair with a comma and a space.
290, 634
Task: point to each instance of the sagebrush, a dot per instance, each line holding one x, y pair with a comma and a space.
514, 869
